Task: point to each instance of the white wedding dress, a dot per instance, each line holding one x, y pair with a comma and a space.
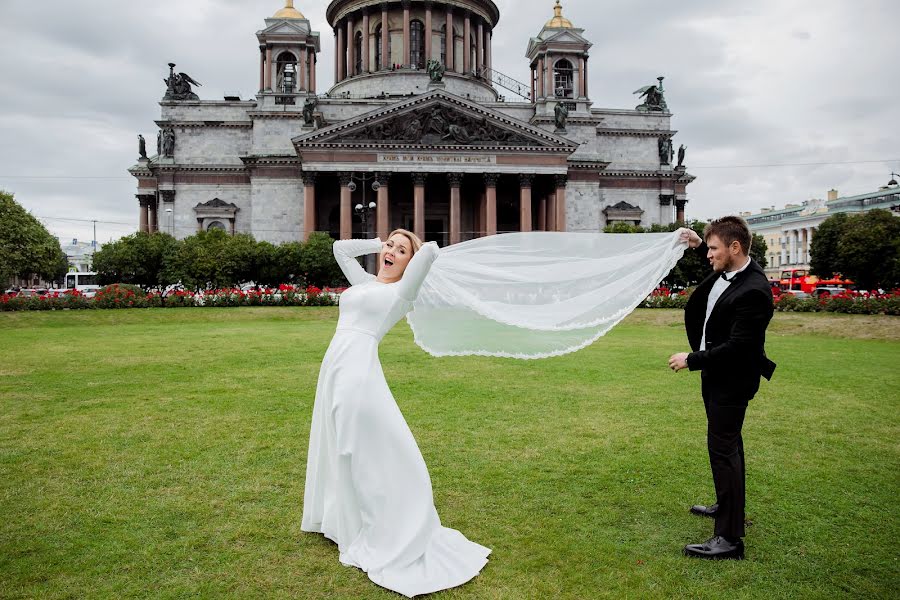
367, 486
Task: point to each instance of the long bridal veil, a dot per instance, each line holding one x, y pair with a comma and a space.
537, 294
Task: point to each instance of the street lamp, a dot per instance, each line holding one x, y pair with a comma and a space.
171, 220
365, 209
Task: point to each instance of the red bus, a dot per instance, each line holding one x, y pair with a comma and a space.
799, 280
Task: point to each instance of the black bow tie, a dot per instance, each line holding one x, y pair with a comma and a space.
725, 277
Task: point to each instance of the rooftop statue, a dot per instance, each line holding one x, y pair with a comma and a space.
178, 86
655, 99
435, 70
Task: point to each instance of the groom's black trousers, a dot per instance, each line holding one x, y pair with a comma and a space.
726, 458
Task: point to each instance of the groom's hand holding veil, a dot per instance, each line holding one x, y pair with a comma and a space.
689, 236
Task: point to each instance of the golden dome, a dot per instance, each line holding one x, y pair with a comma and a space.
289, 12
558, 21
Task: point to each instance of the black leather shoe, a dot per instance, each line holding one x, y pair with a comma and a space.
716, 548
705, 511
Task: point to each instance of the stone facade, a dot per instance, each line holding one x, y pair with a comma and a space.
457, 159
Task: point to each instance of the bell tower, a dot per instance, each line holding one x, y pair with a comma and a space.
559, 64
287, 58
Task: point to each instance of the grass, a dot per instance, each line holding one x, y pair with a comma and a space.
161, 453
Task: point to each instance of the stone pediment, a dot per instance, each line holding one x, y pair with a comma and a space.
552, 37
436, 120
622, 206
216, 208
282, 27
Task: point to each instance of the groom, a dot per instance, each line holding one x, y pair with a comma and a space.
726, 319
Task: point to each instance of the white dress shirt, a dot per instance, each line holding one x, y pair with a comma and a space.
718, 287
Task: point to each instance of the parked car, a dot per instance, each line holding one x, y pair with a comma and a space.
826, 291
798, 294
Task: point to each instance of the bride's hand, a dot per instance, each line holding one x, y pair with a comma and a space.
690, 237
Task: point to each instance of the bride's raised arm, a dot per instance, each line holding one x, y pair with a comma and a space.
346, 251
416, 270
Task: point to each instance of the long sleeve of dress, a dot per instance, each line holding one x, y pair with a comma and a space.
416, 271
346, 251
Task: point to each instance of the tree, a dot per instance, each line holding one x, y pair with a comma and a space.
137, 259
26, 247
868, 251
289, 258
318, 264
823, 249
196, 262
237, 260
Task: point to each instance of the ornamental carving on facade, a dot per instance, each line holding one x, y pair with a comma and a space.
437, 125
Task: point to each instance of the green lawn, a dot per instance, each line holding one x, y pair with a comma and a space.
161, 453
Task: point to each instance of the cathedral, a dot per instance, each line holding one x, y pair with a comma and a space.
418, 131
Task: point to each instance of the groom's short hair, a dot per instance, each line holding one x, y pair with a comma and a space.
730, 229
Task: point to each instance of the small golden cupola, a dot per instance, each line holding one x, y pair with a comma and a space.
559, 21
288, 12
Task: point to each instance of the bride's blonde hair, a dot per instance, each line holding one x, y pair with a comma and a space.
413, 239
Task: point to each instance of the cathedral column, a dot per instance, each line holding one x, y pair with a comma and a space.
586, 77
383, 210
365, 41
542, 214
479, 48
262, 68
345, 178
405, 58
340, 58
490, 221
302, 82
525, 180
455, 180
488, 38
309, 203
561, 202
312, 71
427, 32
532, 84
143, 208
152, 215
540, 77
268, 80
385, 38
351, 54
467, 47
419, 204
548, 78
450, 42
551, 211
582, 65
679, 210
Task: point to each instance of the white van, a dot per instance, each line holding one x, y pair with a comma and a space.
86, 282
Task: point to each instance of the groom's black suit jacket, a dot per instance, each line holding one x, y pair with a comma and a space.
735, 356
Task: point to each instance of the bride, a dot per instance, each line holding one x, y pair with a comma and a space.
367, 486
521, 295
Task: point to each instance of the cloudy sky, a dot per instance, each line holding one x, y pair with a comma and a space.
777, 101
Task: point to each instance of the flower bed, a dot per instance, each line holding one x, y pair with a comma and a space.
858, 303
118, 296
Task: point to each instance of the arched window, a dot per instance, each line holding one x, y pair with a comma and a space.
286, 73
216, 225
563, 78
378, 58
357, 52
417, 44
444, 45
